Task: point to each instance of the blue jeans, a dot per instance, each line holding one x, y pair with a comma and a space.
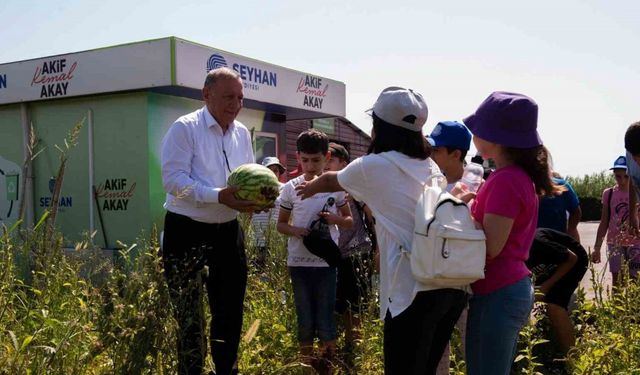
314, 293
493, 325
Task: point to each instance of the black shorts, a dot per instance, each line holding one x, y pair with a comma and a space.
560, 293
354, 282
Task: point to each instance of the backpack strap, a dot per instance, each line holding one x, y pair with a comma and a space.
444, 201
609, 204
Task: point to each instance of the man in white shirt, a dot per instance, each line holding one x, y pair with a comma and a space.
198, 153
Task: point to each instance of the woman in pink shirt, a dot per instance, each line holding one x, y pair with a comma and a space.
504, 129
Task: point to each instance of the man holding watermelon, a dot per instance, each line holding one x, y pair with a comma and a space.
198, 154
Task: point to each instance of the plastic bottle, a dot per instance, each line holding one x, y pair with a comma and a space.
472, 177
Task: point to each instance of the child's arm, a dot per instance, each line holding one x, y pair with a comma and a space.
344, 220
562, 270
284, 227
327, 182
602, 229
572, 223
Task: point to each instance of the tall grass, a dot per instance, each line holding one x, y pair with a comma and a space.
87, 313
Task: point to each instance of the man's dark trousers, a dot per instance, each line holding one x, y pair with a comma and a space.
188, 246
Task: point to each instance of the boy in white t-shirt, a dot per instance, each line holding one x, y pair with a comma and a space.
313, 280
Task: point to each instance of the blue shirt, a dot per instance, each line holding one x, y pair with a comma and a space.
553, 210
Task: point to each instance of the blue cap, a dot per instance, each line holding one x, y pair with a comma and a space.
620, 163
451, 134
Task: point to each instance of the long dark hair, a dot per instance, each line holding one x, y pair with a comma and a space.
388, 137
535, 162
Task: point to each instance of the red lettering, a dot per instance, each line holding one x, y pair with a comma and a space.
101, 192
311, 91
42, 79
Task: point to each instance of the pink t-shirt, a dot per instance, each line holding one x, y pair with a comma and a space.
508, 192
618, 217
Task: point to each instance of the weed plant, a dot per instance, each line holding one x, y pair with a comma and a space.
86, 313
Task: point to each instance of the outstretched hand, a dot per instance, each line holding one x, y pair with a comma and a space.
228, 198
304, 189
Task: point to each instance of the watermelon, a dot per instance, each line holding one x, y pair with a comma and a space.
256, 182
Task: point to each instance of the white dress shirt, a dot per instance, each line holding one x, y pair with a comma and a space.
194, 167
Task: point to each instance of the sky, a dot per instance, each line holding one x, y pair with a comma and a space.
579, 60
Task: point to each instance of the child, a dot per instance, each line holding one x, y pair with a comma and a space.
356, 265
504, 129
418, 318
615, 224
561, 211
451, 141
313, 281
558, 262
262, 221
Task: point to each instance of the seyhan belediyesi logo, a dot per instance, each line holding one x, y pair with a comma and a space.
216, 61
252, 76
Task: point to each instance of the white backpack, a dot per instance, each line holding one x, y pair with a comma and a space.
447, 249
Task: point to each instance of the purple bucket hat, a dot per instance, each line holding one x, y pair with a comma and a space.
508, 119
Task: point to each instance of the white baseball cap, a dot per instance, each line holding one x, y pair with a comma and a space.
401, 107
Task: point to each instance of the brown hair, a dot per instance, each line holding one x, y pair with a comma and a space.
312, 141
632, 139
535, 162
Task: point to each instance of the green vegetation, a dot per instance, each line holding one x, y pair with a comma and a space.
592, 185
589, 188
84, 313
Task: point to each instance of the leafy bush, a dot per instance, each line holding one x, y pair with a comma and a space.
608, 329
